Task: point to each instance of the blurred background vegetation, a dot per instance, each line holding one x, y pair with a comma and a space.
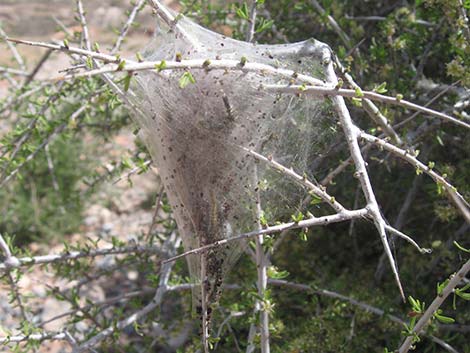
419, 48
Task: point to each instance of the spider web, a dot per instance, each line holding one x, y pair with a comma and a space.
199, 137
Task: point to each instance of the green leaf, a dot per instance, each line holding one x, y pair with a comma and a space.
465, 296
441, 286
357, 101
381, 88
127, 82
161, 66
89, 63
359, 93
274, 273
444, 319
297, 217
264, 25
186, 79
121, 65
243, 11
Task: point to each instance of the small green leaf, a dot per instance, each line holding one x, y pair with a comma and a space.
127, 82
121, 65
66, 43
264, 25
242, 11
381, 88
399, 97
161, 66
297, 217
465, 296
139, 57
441, 286
275, 273
357, 101
359, 93
89, 63
340, 83
186, 79
444, 319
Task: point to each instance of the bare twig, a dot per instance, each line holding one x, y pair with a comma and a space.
457, 199
367, 96
38, 66
307, 223
14, 51
352, 134
13, 71
52, 336
82, 19
250, 31
332, 22
125, 29
316, 190
73, 255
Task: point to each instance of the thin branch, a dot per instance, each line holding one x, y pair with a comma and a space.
307, 223
156, 301
74, 255
13, 71
352, 134
125, 29
158, 204
317, 191
172, 21
250, 31
432, 100
396, 232
4, 247
334, 25
261, 269
34, 337
457, 199
67, 49
133, 171
82, 19
13, 49
367, 96
131, 66
364, 306
38, 66
437, 302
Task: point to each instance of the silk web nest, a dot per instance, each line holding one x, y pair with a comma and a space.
200, 134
